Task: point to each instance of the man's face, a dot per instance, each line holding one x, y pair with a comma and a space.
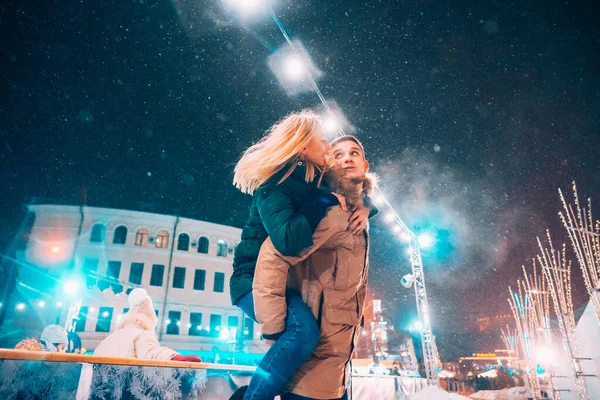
349, 158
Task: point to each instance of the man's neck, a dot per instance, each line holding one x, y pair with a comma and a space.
351, 189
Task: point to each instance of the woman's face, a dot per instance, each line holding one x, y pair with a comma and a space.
317, 148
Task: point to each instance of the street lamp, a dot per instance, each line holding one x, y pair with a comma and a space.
294, 68
71, 287
247, 8
407, 280
20, 306
416, 326
425, 241
41, 303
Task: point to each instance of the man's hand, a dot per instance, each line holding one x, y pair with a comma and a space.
342, 201
358, 220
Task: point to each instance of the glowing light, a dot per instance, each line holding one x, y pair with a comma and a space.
364, 332
199, 327
91, 309
379, 199
20, 306
409, 251
404, 237
71, 287
390, 217
1, 304
55, 249
119, 316
224, 334
246, 8
331, 124
294, 67
41, 303
189, 326
416, 326
545, 356
105, 314
178, 323
397, 228
425, 241
59, 304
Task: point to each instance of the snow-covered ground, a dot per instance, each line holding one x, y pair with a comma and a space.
435, 393
516, 393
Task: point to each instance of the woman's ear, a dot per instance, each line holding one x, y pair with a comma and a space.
366, 166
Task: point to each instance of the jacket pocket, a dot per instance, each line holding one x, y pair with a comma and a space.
339, 310
341, 270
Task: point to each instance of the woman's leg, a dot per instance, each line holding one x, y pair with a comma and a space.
246, 303
288, 352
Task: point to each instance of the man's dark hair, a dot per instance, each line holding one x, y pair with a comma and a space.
349, 138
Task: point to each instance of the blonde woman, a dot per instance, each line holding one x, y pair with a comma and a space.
282, 172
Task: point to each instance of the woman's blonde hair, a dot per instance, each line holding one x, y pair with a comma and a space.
282, 144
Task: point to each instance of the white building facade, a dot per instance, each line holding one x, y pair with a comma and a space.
92, 257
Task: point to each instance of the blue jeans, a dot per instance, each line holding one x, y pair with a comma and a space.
292, 396
288, 352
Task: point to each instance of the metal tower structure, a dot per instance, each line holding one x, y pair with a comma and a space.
417, 280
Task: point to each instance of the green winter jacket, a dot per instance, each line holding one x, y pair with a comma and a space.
289, 213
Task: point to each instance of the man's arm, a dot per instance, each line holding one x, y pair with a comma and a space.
270, 277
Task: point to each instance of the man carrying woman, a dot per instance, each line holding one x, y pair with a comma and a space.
283, 172
331, 276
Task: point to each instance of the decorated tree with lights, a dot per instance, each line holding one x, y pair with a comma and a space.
557, 271
584, 235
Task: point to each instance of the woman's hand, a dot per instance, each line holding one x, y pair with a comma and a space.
342, 201
269, 342
358, 220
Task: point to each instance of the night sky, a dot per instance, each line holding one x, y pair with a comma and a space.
473, 114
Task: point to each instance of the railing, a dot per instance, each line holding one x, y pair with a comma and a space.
42, 375
90, 359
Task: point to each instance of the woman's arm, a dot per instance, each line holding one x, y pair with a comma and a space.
290, 230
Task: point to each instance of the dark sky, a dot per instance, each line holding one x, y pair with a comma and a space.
473, 113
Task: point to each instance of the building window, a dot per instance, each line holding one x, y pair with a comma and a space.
203, 245
196, 325
158, 273
141, 237
174, 322
248, 329
215, 325
113, 270
222, 248
233, 322
219, 285
199, 279
136, 272
81, 319
162, 240
98, 233
104, 319
90, 266
120, 236
179, 278
183, 243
